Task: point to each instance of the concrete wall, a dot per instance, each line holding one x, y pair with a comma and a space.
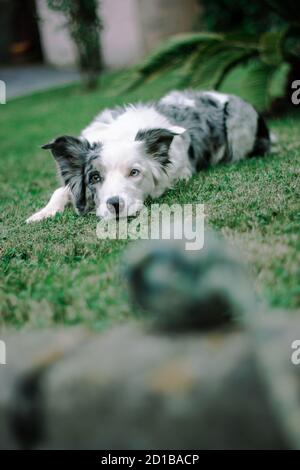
122, 36
58, 48
131, 29
163, 18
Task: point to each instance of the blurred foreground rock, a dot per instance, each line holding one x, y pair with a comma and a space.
186, 290
209, 371
130, 389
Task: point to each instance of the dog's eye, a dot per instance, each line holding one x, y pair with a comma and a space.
134, 172
94, 178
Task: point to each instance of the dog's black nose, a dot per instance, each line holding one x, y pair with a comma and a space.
115, 204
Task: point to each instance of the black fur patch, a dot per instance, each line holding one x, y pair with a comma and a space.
227, 154
262, 139
157, 142
203, 123
71, 154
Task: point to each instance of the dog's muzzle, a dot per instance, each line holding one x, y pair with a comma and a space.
115, 205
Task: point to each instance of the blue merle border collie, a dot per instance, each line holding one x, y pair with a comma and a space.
127, 154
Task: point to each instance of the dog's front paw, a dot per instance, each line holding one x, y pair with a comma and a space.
40, 215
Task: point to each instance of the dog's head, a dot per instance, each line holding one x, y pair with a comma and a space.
118, 174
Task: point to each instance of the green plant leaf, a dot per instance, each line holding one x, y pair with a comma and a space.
256, 84
175, 49
214, 61
264, 83
278, 82
270, 46
203, 60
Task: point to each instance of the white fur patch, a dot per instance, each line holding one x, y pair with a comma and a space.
57, 203
221, 97
126, 126
218, 155
176, 98
121, 152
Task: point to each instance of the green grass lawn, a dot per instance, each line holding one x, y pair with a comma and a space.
57, 271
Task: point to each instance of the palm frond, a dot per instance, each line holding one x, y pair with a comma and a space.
279, 81
213, 63
203, 60
176, 49
201, 57
264, 83
271, 46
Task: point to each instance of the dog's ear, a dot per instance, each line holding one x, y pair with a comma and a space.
70, 154
157, 142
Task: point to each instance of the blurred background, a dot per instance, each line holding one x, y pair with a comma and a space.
39, 37
32, 31
46, 42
